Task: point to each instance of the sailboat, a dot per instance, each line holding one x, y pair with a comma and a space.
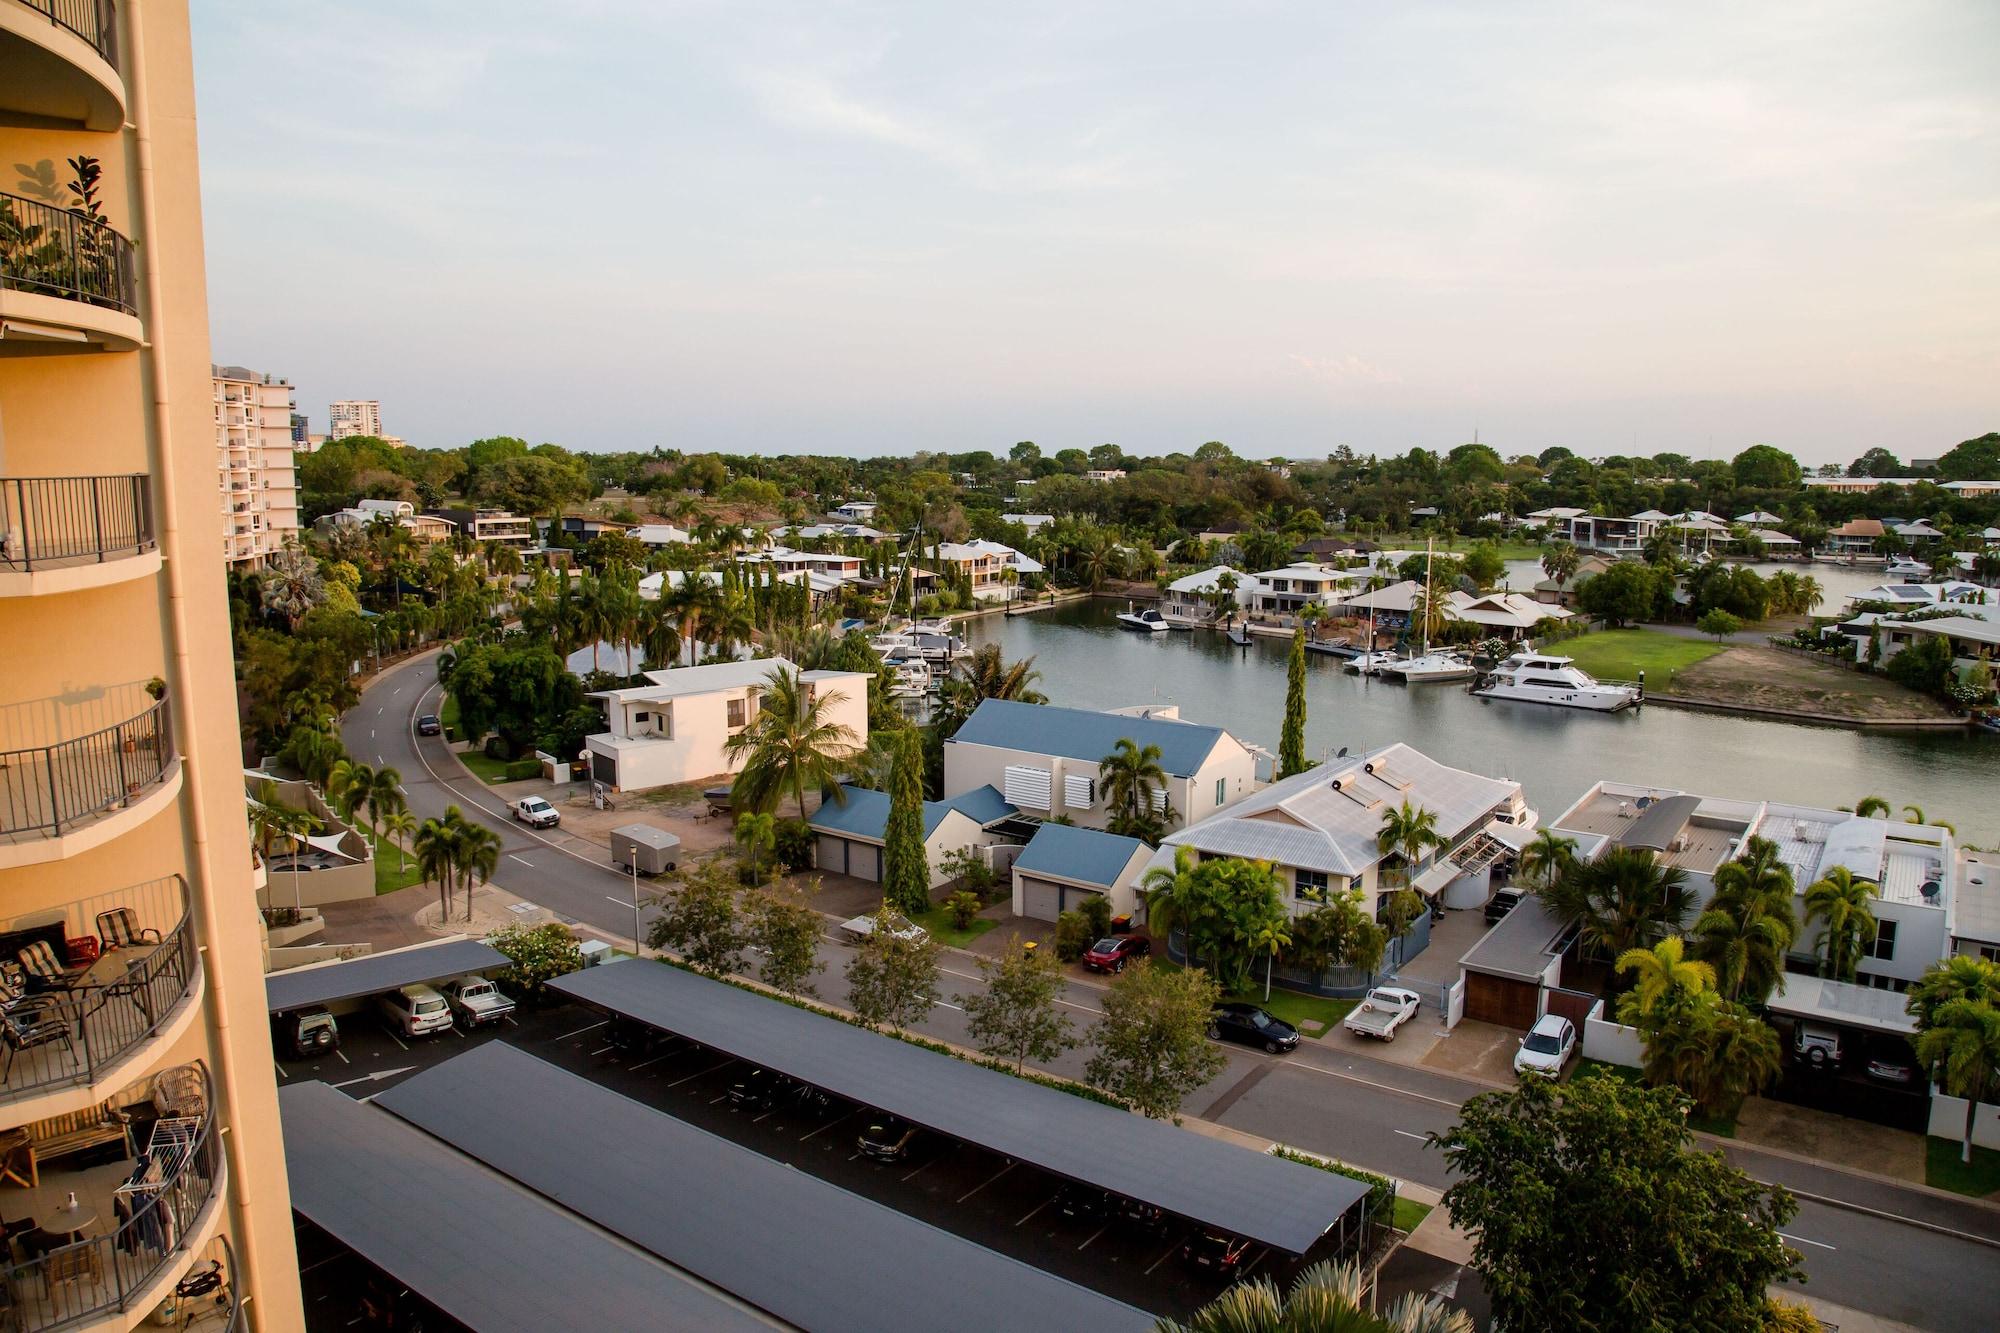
1427, 667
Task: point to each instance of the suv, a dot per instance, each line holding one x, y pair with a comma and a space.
306, 1032
887, 1139
1502, 902
428, 725
1111, 955
536, 812
1216, 1252
1547, 1047
415, 1010
1817, 1048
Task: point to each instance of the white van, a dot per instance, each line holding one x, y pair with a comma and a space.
416, 1010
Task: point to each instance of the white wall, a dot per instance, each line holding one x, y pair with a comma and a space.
1613, 1043
1948, 1121
701, 730
968, 766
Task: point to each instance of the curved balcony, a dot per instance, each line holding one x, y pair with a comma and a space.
56, 800
117, 1238
65, 281
61, 534
81, 1029
59, 60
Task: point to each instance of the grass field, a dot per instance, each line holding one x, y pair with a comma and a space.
484, 766
1621, 654
1410, 1214
938, 922
388, 878
1943, 1170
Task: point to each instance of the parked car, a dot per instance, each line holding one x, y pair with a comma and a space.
1502, 902
1818, 1048
887, 1139
1382, 1011
861, 927
1142, 1216
415, 1010
1085, 1203
1547, 1047
475, 1001
1216, 1252
305, 1033
1898, 1071
429, 725
536, 812
1111, 955
1251, 1026
757, 1090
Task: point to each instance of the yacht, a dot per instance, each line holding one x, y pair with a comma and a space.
910, 678
1430, 668
1543, 679
1904, 568
1372, 664
1149, 621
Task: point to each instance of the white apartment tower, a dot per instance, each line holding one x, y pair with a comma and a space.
354, 416
259, 491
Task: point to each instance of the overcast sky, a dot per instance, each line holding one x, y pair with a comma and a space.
820, 227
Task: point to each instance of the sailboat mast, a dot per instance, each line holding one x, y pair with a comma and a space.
1430, 544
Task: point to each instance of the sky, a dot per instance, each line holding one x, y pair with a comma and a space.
874, 228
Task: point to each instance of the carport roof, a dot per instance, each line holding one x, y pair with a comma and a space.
866, 812
810, 1253
1520, 944
1264, 1198
1844, 1003
482, 1249
373, 973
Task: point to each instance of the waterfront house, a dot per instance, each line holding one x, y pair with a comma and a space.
1553, 519
1063, 867
675, 728
849, 834
985, 565
1596, 532
1199, 598
1854, 537
1044, 759
1562, 592
1506, 615
1759, 518
1289, 591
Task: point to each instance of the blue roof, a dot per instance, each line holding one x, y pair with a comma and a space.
1081, 854
866, 814
1079, 733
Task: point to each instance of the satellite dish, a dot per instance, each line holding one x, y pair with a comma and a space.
1342, 754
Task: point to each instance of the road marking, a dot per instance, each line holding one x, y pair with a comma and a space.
1162, 1259
1036, 1209
343, 1056
1093, 1236
758, 1120
1261, 1255
281, 1072
522, 860
984, 1183
942, 1005
710, 1070
377, 1076
913, 1175
580, 1031
602, 1049
1420, 1138
1796, 1240
643, 1063
831, 1123
378, 712
398, 1040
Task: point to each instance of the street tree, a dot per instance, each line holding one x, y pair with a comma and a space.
701, 921
1151, 1042
756, 833
892, 981
1015, 1015
785, 931
906, 869
1292, 739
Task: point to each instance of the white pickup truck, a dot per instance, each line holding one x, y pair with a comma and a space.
475, 1001
861, 927
536, 812
1385, 1009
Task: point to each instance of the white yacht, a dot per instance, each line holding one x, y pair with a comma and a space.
1149, 621
1543, 679
1902, 567
1430, 668
911, 678
1372, 664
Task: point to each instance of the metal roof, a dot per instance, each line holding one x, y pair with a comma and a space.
1520, 944
487, 1252
866, 812
1268, 1199
1659, 823
1079, 733
1845, 1003
1084, 855
648, 836
804, 1250
371, 974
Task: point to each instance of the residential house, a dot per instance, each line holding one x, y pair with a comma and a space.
1506, 615
675, 729
1199, 597
857, 511
1554, 519
585, 527
1045, 759
1856, 485
1034, 523
1854, 537
1970, 489
492, 525
1595, 532
850, 833
1562, 592
1105, 474
1289, 591
1063, 867
427, 528
987, 566
662, 534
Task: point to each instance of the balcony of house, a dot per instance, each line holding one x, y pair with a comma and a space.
60, 534
120, 1205
91, 992
59, 62
62, 797
67, 283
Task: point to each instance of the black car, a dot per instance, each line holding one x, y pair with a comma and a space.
428, 725
1142, 1217
757, 1090
1252, 1026
1085, 1203
1502, 902
887, 1139
1216, 1252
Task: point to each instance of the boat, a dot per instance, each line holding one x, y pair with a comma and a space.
1987, 721
1149, 621
1372, 664
1904, 568
1545, 679
911, 678
1432, 668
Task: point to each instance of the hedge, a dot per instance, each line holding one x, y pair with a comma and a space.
1381, 1189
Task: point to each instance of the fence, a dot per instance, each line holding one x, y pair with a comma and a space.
1340, 982
47, 521
96, 21
50, 788
53, 251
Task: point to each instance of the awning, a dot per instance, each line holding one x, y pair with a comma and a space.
1844, 1004
1432, 881
372, 974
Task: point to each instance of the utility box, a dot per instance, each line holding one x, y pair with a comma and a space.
650, 850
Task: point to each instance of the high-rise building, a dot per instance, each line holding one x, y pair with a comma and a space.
254, 452
353, 416
131, 948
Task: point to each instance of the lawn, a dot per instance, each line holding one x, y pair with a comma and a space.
1943, 1170
448, 716
1410, 1214
387, 877
1313, 1015
938, 922
484, 766
1621, 654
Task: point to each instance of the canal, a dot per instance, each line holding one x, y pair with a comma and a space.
1087, 661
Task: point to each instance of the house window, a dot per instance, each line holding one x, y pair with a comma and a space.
1884, 947
1309, 885
736, 713
1990, 952
641, 717
1221, 790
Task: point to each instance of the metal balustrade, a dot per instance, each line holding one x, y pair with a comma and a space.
96, 21
50, 789
57, 522
54, 251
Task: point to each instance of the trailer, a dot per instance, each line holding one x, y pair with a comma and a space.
650, 850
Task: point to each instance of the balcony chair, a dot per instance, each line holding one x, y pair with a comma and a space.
120, 929
27, 1025
39, 961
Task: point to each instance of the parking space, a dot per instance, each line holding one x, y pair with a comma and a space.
373, 1056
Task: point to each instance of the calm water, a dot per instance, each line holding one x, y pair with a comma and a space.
1087, 661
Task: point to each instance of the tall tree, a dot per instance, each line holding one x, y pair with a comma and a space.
1842, 903
1955, 978
1963, 1044
1408, 831
1661, 975
792, 743
1131, 778
1015, 1015
785, 930
1151, 1041
1546, 859
756, 833
892, 980
702, 921
1624, 899
906, 870
1292, 739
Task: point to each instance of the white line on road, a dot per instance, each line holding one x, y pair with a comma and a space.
913, 1174
580, 1031
1796, 1240
1036, 1209
1420, 1138
830, 1124
984, 1183
643, 1063
699, 1072
398, 1040
942, 1005
1162, 1259
523, 860
1093, 1236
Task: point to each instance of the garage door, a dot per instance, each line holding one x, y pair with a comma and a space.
1041, 899
864, 860
832, 854
1501, 1000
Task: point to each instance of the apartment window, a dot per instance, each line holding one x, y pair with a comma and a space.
1221, 790
1309, 885
1990, 952
1884, 948
736, 713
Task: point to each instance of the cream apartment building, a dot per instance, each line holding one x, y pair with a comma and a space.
258, 487
354, 416
129, 937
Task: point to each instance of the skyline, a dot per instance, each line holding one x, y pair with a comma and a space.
876, 230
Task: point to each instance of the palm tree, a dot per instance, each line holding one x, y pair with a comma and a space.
399, 825
1956, 978
1409, 832
792, 743
1545, 860
1662, 549
1745, 941
436, 847
1739, 1055
271, 820
1168, 890
347, 786
1131, 775
478, 856
1429, 609
1623, 900
382, 796
1871, 807
1659, 973
756, 833
1326, 1298
659, 636
1963, 1042
1560, 562
1841, 901
691, 602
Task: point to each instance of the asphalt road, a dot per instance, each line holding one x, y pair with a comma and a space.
1905, 1254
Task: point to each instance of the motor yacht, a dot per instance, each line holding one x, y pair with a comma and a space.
1149, 621
1544, 679
1433, 668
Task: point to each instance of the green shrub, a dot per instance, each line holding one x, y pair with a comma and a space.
536, 954
1381, 1189
1096, 910
794, 846
1073, 936
496, 747
519, 770
963, 906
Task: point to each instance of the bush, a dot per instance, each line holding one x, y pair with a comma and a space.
963, 906
496, 747
1381, 1190
794, 846
1096, 910
537, 954
1073, 936
520, 770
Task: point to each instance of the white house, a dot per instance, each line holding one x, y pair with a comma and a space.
857, 511
1509, 615
1032, 522
661, 534
985, 564
675, 729
1194, 596
1290, 590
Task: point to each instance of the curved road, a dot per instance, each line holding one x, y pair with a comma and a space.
1921, 1258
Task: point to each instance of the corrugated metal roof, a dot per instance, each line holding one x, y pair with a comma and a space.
805, 1250
1659, 823
1085, 855
866, 814
1078, 733
1844, 1002
1520, 945
374, 973
1264, 1198
487, 1252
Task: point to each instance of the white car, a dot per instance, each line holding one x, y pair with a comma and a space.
536, 812
1384, 1010
415, 1010
861, 927
1547, 1047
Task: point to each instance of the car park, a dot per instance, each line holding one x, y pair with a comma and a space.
429, 725
475, 1001
1547, 1047
1252, 1026
415, 1011
304, 1033
756, 1090
1818, 1048
887, 1139
536, 812
1502, 902
1111, 955
1083, 1203
1215, 1252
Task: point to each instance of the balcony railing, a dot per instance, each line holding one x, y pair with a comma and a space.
96, 21
50, 789
52, 251
114, 1007
51, 522
148, 1221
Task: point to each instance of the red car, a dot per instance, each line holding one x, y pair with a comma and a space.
1111, 955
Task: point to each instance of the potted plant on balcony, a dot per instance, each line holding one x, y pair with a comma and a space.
157, 688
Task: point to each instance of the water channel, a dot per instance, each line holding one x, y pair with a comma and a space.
1087, 661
